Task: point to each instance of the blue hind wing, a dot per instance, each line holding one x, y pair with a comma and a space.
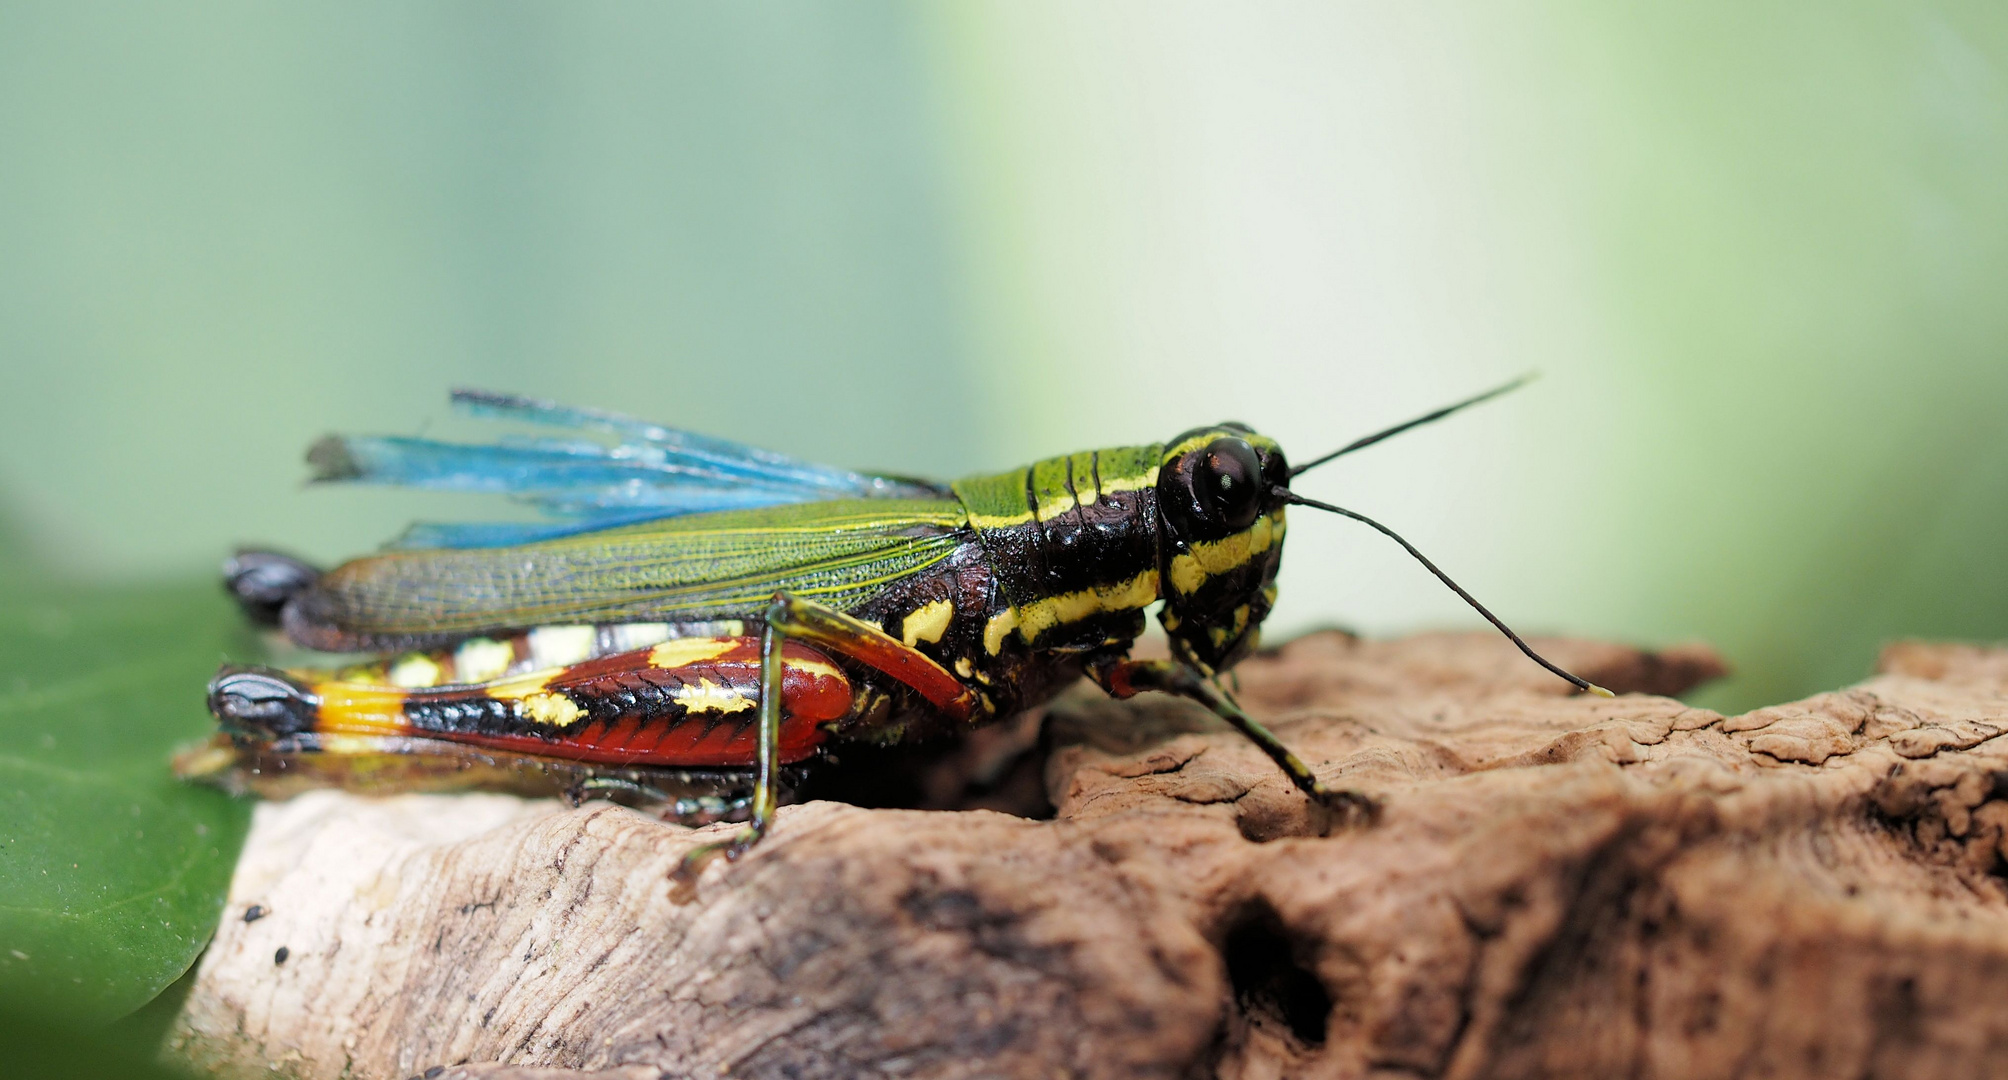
635, 471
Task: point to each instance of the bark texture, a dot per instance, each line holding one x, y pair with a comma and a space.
1558, 886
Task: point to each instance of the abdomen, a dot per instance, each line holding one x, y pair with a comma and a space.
691, 701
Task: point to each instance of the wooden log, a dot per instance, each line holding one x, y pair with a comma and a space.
1558, 886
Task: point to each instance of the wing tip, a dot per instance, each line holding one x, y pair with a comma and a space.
473, 397
333, 460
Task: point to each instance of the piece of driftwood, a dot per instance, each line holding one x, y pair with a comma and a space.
1558, 886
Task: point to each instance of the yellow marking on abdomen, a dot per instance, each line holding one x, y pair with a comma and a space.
927, 623
1042, 615
708, 696
359, 709
551, 708
521, 686
677, 652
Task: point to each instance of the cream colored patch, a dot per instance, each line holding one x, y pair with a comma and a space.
963, 667
557, 646
481, 659
708, 696
636, 635
350, 744
414, 671
999, 626
1190, 570
551, 708
927, 623
676, 652
1042, 615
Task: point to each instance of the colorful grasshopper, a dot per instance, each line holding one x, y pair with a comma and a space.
712, 614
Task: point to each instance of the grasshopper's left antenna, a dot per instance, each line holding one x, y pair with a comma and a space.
1363, 443
1579, 683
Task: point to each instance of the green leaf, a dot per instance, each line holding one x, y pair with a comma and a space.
112, 872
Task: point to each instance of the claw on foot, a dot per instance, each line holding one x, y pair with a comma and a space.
683, 879
1347, 807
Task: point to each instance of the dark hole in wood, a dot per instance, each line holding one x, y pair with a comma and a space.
1270, 985
1001, 767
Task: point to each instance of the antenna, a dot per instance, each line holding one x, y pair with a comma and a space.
1298, 500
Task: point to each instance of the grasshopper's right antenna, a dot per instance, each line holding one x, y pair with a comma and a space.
1579, 683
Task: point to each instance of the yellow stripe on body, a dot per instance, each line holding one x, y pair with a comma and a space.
1040, 616
926, 623
999, 627
1034, 619
1190, 570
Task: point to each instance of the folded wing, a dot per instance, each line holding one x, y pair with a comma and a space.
715, 566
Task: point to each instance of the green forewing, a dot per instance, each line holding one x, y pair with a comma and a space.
721, 565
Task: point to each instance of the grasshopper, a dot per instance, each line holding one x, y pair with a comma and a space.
706, 618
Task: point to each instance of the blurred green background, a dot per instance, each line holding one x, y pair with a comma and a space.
1759, 251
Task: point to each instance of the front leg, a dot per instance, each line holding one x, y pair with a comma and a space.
1122, 677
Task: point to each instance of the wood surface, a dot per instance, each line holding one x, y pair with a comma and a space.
1558, 886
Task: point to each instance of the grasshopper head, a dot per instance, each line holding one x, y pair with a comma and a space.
1220, 491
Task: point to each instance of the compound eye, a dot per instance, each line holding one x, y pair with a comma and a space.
1227, 482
